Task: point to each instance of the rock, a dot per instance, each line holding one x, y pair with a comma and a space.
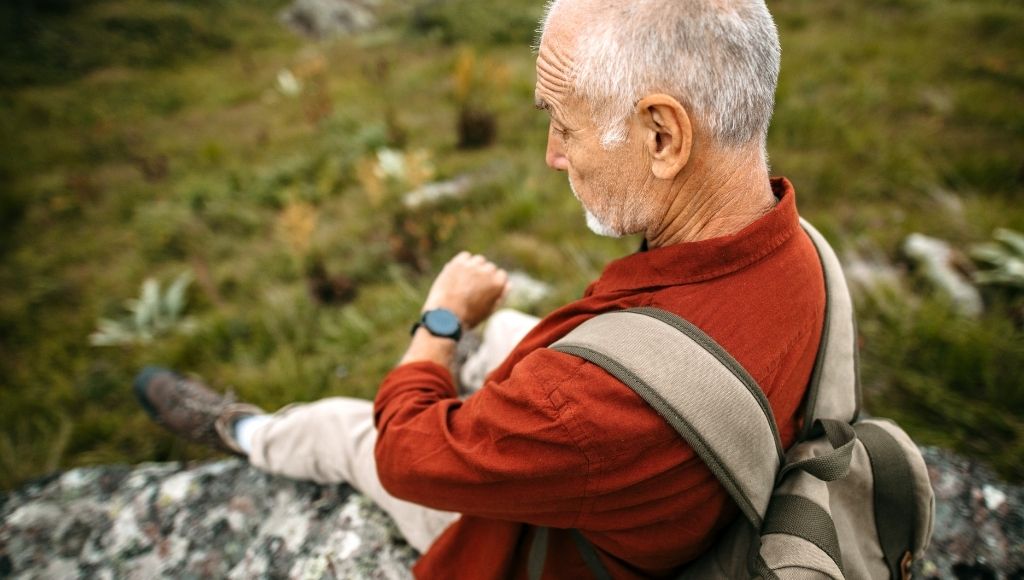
936, 260
948, 202
227, 520
438, 190
524, 291
221, 520
979, 522
870, 274
318, 19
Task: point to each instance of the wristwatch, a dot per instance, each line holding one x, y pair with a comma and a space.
440, 322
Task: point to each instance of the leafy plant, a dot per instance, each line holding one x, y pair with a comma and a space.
1004, 259
153, 314
391, 173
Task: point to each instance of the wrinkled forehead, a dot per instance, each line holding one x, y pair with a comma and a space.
554, 72
554, 65
567, 22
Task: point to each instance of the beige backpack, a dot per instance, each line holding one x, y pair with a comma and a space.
851, 499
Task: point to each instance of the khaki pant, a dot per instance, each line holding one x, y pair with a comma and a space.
332, 440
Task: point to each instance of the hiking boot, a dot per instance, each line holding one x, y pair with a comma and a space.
190, 409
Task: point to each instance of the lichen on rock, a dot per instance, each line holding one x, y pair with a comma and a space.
227, 520
220, 520
979, 522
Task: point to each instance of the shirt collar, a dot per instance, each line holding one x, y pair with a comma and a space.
691, 262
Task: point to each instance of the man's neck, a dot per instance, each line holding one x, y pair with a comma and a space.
716, 195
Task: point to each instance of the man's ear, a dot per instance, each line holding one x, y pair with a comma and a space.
668, 134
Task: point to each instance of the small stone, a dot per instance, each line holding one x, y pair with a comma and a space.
525, 291
439, 190
936, 259
287, 83
870, 274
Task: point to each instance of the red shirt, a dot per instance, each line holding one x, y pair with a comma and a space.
553, 440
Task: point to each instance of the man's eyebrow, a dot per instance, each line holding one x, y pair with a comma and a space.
541, 104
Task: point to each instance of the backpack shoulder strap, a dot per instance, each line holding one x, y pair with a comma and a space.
698, 388
834, 388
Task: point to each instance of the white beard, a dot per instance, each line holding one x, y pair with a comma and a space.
593, 222
599, 228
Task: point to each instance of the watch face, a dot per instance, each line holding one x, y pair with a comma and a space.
441, 322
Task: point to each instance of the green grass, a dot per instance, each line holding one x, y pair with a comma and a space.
143, 138
948, 380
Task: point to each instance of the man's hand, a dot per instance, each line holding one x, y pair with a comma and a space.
470, 286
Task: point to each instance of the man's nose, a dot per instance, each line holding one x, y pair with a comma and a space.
554, 156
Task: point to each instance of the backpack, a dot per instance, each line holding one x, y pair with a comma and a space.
850, 499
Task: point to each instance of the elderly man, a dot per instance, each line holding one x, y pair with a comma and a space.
658, 115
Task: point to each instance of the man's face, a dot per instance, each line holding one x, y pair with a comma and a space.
610, 183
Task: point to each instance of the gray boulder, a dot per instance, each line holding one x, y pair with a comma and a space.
319, 19
216, 520
227, 520
937, 261
979, 522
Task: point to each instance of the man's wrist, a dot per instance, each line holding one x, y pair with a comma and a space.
427, 347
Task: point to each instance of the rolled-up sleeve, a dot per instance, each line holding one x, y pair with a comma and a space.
510, 451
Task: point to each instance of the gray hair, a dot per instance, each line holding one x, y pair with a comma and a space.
719, 58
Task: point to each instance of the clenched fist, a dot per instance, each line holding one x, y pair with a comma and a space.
470, 286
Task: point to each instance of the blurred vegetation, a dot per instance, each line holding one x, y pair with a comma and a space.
143, 138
